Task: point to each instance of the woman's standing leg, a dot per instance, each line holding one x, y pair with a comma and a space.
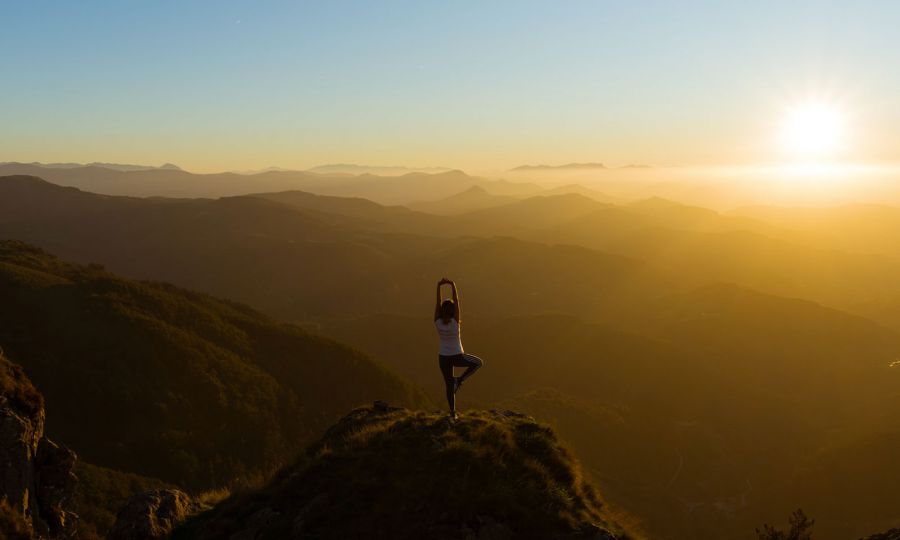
449, 382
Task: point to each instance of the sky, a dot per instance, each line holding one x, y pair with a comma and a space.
478, 85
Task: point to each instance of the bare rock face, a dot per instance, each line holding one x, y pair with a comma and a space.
20, 435
152, 515
35, 474
893, 534
55, 484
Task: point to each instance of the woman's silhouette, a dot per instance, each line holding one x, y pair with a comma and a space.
451, 354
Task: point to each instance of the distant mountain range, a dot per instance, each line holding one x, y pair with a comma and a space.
573, 167
169, 182
114, 166
380, 170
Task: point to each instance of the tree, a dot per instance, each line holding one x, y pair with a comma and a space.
800, 529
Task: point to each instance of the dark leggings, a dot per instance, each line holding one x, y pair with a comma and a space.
447, 363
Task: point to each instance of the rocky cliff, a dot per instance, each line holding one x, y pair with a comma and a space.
36, 475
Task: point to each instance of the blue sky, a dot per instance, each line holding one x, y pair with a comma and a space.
216, 85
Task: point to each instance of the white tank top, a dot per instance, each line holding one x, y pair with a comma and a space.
451, 344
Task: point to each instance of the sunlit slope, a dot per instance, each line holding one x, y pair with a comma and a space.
149, 378
694, 246
474, 198
870, 229
350, 207
361, 213
534, 213
583, 190
866, 228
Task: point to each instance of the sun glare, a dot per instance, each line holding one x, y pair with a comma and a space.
812, 131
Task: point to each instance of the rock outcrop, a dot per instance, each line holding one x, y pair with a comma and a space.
36, 474
152, 515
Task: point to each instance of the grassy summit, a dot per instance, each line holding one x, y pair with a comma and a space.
384, 472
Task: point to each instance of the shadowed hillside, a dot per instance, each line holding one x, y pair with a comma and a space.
190, 389
390, 473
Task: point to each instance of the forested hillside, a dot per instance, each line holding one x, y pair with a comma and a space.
148, 378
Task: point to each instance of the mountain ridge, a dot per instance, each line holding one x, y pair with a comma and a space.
406, 187
567, 166
113, 166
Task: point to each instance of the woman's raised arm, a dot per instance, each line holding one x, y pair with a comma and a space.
437, 302
455, 299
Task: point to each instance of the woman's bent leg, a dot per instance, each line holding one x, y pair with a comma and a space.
472, 364
447, 371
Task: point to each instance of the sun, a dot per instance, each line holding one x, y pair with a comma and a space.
812, 131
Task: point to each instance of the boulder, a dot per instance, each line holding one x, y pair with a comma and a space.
152, 515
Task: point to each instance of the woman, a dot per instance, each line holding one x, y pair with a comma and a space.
446, 320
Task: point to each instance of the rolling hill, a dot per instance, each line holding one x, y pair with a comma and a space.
474, 198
